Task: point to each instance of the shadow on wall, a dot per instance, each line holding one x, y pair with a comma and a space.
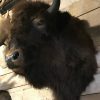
95, 34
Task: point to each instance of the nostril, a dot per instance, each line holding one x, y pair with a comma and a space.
15, 55
9, 61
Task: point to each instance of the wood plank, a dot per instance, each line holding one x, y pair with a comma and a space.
76, 7
31, 94
82, 6
37, 94
91, 97
11, 81
4, 71
28, 93
17, 95
43, 94
21, 88
92, 17
2, 58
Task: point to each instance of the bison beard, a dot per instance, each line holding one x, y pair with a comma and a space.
51, 48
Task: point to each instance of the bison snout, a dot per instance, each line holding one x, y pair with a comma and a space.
15, 55
12, 58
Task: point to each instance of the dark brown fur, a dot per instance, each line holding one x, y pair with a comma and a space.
4, 95
56, 50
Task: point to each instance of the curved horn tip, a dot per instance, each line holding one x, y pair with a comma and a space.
54, 7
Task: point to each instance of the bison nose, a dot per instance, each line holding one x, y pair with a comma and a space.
15, 55
12, 58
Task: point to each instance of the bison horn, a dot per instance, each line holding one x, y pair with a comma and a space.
54, 7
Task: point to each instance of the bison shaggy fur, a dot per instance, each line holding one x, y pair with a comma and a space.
50, 50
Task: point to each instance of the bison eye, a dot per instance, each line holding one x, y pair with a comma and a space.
41, 22
38, 22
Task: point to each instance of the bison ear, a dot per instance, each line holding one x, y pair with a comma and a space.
5, 26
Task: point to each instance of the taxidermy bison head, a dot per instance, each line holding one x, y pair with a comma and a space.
50, 48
